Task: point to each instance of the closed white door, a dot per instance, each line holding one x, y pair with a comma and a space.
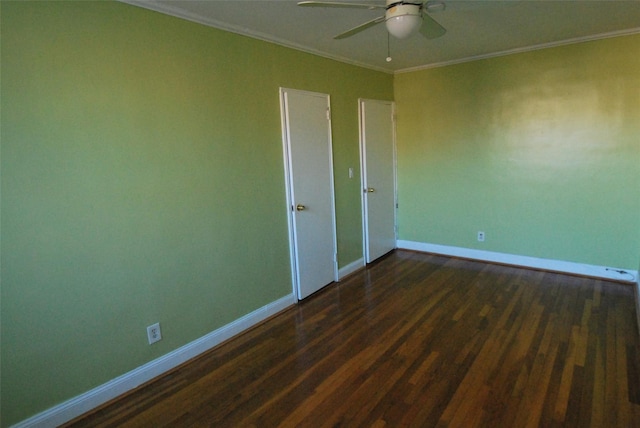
377, 154
306, 123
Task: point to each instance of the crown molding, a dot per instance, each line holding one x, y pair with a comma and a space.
572, 41
175, 12
172, 11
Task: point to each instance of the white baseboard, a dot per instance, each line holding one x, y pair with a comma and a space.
604, 272
350, 268
75, 407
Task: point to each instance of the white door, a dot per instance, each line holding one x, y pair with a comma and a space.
377, 154
306, 124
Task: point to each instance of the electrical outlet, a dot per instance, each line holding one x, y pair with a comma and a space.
153, 333
480, 236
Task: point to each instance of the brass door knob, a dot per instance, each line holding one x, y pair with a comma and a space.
300, 207
370, 190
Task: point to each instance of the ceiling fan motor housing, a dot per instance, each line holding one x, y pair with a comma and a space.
403, 18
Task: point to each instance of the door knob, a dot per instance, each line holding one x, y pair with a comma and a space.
370, 190
300, 207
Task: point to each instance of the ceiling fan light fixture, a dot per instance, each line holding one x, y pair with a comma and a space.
403, 20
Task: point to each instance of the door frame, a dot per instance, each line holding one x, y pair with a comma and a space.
363, 173
288, 178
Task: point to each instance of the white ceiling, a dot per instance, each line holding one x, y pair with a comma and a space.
475, 29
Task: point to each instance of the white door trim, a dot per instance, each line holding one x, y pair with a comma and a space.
286, 150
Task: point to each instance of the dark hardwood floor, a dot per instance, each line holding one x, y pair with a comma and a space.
415, 340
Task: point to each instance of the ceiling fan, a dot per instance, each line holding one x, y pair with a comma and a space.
402, 18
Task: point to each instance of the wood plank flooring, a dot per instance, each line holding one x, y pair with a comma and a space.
415, 340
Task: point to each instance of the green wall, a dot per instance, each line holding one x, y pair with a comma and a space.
540, 150
143, 181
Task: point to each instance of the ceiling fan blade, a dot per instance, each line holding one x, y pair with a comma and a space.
359, 28
338, 4
430, 28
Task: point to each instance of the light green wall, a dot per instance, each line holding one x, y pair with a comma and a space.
142, 181
539, 150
